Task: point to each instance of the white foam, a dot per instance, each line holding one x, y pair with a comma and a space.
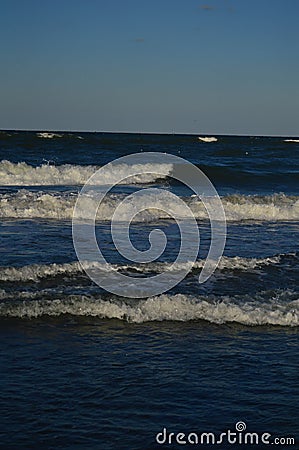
207, 139
282, 308
291, 140
22, 174
277, 207
225, 263
27, 204
36, 272
47, 135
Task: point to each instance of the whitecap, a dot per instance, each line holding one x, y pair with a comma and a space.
28, 204
23, 174
47, 135
36, 272
265, 308
207, 139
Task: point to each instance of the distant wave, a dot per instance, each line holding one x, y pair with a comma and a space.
4, 134
47, 135
22, 174
28, 204
207, 139
51, 135
291, 140
280, 307
37, 272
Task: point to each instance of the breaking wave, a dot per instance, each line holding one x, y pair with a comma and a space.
37, 272
47, 135
207, 139
27, 204
22, 174
265, 308
276, 207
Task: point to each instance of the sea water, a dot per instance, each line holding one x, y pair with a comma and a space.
82, 368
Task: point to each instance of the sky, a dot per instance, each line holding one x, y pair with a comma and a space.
165, 66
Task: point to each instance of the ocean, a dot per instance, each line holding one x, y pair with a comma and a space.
199, 365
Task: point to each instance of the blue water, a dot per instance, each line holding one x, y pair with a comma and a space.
82, 368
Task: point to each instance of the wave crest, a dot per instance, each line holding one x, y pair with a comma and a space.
282, 308
27, 204
22, 174
36, 272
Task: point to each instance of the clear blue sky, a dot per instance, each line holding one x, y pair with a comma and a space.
214, 66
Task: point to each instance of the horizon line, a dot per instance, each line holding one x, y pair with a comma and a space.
38, 130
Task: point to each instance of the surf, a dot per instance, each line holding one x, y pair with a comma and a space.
279, 308
59, 206
23, 174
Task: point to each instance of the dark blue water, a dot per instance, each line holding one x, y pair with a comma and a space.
82, 368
